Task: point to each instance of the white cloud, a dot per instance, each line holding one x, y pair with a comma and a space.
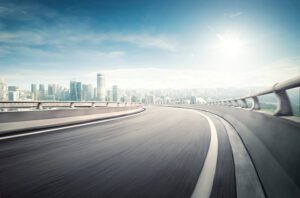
146, 41
56, 38
236, 14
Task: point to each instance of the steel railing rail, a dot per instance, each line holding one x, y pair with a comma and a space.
284, 107
68, 104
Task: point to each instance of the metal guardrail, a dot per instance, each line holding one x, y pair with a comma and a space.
70, 104
284, 107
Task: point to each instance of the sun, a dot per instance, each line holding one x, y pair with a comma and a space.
230, 46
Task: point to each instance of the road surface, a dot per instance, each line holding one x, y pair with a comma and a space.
157, 153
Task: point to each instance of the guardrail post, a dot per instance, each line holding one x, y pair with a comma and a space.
235, 103
284, 107
244, 103
39, 106
255, 104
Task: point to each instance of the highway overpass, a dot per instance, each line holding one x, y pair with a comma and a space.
161, 151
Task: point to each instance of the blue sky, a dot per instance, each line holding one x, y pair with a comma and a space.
152, 44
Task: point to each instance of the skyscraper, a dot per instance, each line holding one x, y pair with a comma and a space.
34, 92
115, 93
100, 87
90, 92
51, 89
87, 92
13, 93
75, 91
42, 92
3, 90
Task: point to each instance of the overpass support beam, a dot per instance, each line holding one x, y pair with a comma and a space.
244, 103
235, 103
284, 107
255, 104
229, 103
39, 106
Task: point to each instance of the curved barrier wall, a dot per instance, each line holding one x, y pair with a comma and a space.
29, 120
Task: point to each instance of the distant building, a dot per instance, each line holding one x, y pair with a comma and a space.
108, 95
13, 93
34, 92
64, 95
3, 90
100, 87
42, 92
149, 99
13, 88
59, 93
75, 91
95, 94
115, 93
51, 90
134, 99
87, 92
197, 100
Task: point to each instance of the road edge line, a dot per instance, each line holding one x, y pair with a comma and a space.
206, 179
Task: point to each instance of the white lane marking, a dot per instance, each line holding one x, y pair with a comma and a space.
66, 127
247, 181
206, 179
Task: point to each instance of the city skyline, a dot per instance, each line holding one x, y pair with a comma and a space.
157, 44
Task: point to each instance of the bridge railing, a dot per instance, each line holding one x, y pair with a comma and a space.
283, 106
70, 104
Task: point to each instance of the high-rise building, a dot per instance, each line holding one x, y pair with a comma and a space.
115, 93
100, 87
13, 93
42, 92
13, 88
108, 95
95, 94
90, 92
64, 95
34, 92
58, 93
75, 91
51, 89
3, 90
87, 92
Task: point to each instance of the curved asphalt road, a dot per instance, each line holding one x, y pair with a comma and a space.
158, 153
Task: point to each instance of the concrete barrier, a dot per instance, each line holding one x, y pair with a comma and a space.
11, 122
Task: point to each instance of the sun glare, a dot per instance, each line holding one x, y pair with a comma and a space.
230, 46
